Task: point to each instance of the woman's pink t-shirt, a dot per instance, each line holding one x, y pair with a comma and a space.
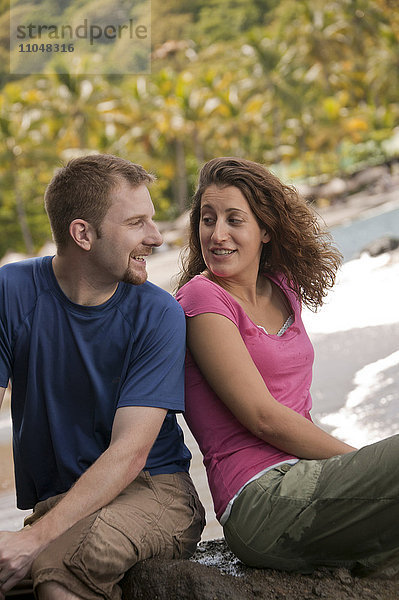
232, 454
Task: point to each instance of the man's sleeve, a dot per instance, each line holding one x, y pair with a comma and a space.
156, 374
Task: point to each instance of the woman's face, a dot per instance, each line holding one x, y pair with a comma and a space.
231, 239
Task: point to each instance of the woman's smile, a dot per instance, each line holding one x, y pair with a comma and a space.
222, 251
231, 238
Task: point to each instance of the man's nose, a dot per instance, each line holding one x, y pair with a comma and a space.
153, 237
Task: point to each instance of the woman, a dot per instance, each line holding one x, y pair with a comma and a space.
289, 495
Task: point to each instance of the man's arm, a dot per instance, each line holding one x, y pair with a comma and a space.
2, 392
133, 434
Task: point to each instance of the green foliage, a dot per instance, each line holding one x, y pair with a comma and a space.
222, 20
307, 86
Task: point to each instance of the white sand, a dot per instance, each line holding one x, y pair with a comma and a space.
365, 294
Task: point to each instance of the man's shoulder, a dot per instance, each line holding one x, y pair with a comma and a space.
21, 268
149, 308
20, 273
152, 295
21, 284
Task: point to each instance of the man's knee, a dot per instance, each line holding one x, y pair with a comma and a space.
79, 562
183, 520
155, 516
88, 561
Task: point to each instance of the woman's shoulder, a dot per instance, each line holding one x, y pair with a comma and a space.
202, 295
200, 284
198, 281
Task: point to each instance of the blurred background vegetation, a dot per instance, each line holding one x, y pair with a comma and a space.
308, 87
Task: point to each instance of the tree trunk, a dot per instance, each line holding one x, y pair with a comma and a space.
181, 176
22, 220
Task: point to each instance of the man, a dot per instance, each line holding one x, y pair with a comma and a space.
95, 355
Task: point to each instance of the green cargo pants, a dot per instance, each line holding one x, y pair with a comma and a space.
343, 511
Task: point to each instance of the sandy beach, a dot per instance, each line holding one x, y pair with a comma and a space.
356, 375
6, 469
6, 466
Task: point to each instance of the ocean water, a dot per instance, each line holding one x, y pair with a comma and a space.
365, 295
352, 237
370, 410
356, 337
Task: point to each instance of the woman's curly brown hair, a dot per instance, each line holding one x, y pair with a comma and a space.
298, 247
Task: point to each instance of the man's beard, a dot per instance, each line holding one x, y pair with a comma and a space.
134, 278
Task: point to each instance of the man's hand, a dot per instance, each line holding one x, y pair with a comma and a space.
18, 549
133, 434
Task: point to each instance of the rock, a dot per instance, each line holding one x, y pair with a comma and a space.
215, 574
157, 580
333, 189
368, 177
376, 179
383, 244
344, 576
305, 190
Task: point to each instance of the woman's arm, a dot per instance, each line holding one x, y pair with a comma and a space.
221, 355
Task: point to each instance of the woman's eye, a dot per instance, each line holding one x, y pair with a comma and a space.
207, 220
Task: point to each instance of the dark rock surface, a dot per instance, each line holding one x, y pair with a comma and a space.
373, 179
215, 574
384, 244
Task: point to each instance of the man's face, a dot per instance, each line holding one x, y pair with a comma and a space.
127, 236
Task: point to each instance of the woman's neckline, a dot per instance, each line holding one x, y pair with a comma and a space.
275, 279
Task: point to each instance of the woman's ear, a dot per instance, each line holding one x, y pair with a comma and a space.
266, 237
82, 233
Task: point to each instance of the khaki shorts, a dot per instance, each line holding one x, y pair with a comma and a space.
342, 511
155, 516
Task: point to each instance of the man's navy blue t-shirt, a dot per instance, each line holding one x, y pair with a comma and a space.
73, 366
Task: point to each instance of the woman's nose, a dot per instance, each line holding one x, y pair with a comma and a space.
220, 231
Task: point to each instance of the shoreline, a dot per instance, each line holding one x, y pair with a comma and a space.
358, 207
